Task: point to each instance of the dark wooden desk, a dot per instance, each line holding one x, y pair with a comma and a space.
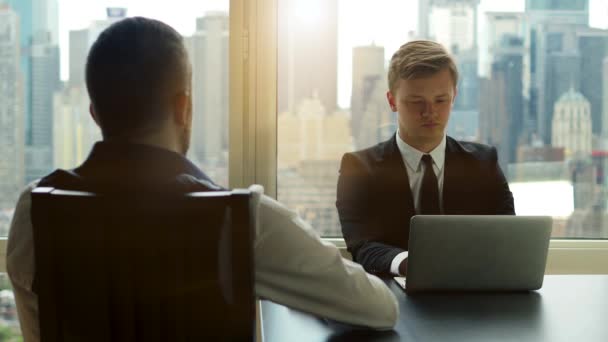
567, 308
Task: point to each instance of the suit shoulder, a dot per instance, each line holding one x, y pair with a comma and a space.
364, 158
368, 155
475, 150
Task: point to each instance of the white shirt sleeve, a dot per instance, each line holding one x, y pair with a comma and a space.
20, 266
397, 261
294, 267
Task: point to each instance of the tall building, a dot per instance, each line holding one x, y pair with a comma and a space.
82, 40
423, 19
452, 23
312, 134
45, 82
499, 24
468, 81
378, 123
604, 134
208, 48
554, 59
37, 18
572, 125
308, 53
493, 116
464, 124
593, 47
74, 131
11, 110
310, 144
39, 36
369, 75
79, 48
503, 120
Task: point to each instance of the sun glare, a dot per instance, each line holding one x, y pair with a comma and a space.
308, 12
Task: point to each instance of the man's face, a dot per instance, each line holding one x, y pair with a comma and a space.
423, 105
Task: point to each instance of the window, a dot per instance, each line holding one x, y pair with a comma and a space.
521, 63
44, 107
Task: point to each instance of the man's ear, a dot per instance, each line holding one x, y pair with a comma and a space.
181, 109
391, 101
455, 94
93, 115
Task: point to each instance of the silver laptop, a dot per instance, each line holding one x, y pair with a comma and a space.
476, 253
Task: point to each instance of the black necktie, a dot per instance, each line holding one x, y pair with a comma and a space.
429, 192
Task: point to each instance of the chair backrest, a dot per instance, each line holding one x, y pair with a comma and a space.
144, 267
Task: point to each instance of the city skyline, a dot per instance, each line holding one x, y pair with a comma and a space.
59, 140
390, 29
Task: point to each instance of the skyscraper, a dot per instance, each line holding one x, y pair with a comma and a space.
368, 74
45, 82
11, 110
308, 52
593, 47
572, 125
40, 68
74, 131
554, 58
82, 40
499, 24
209, 55
604, 134
452, 23
502, 114
310, 145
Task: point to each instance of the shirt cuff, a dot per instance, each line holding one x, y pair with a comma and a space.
397, 261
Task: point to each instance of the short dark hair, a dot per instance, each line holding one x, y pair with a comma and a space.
134, 69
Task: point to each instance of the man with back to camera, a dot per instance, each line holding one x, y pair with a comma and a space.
139, 81
418, 171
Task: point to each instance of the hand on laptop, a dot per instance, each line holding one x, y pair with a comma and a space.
403, 267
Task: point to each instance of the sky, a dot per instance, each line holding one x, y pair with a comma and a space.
360, 22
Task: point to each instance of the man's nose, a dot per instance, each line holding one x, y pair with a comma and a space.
429, 108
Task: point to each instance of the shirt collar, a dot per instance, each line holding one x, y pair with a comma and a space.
412, 157
141, 160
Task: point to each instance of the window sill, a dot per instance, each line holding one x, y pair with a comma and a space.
565, 256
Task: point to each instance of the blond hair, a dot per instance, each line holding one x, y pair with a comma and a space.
419, 58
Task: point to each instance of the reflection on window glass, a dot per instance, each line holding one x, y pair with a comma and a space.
44, 107
533, 83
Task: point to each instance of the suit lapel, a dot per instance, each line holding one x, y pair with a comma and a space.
395, 179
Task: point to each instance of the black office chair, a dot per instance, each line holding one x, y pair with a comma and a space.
144, 267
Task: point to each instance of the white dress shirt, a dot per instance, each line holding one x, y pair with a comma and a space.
412, 158
293, 266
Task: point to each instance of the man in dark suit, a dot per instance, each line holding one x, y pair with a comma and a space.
420, 170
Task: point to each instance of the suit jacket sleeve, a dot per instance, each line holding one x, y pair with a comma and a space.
368, 242
504, 204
